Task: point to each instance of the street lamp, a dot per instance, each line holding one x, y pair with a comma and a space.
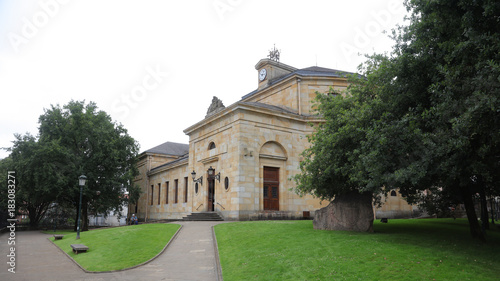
211, 174
81, 182
200, 179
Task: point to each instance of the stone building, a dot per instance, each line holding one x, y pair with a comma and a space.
240, 158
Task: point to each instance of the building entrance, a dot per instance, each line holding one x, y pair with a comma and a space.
271, 188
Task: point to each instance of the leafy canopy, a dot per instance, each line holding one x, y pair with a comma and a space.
426, 115
73, 140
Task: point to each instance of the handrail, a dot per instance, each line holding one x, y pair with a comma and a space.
199, 206
221, 205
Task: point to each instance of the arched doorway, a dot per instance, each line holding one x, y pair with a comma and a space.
272, 158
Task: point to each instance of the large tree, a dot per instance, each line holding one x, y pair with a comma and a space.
39, 170
99, 148
425, 116
5, 167
73, 140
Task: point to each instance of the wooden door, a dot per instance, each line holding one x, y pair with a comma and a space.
271, 188
211, 194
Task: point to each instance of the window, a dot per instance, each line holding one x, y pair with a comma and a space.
176, 191
211, 146
226, 183
159, 193
152, 193
166, 192
185, 189
393, 193
196, 188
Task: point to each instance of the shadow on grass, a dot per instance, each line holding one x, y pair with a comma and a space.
439, 249
451, 235
434, 227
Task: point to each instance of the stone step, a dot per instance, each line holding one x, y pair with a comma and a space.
203, 216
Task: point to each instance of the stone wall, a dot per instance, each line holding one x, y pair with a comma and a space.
239, 141
395, 207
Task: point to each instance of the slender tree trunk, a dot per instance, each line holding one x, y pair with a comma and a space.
76, 220
492, 212
475, 229
484, 207
85, 217
33, 218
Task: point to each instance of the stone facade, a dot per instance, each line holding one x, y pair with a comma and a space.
395, 207
262, 134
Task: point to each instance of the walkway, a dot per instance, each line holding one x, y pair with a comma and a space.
190, 256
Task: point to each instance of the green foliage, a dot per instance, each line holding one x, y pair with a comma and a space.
40, 169
328, 165
425, 116
100, 149
6, 165
427, 249
74, 139
119, 247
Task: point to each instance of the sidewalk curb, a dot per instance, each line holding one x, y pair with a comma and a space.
218, 269
124, 269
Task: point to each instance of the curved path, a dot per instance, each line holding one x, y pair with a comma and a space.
190, 256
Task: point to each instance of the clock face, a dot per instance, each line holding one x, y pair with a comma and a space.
262, 74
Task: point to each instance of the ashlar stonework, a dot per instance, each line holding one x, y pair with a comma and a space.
253, 146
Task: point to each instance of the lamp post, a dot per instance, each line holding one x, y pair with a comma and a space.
200, 179
81, 182
211, 174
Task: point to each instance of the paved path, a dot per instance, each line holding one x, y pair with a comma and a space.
190, 256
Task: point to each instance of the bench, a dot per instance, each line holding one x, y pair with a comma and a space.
58, 237
384, 220
79, 248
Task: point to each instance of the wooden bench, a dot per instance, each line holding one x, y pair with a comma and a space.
79, 248
58, 237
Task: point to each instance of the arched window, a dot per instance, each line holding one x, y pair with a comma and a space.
211, 146
393, 193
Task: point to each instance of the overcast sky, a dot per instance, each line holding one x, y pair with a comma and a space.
154, 66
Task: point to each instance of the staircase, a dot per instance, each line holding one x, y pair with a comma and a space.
203, 216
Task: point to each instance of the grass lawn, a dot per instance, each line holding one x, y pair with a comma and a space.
119, 247
430, 249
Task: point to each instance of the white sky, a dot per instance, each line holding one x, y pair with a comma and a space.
154, 66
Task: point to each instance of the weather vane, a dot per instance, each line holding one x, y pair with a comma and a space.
274, 54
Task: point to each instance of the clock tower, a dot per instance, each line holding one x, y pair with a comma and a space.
269, 71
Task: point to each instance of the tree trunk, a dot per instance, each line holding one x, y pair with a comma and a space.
32, 214
475, 229
76, 220
492, 212
85, 217
351, 212
36, 213
484, 207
